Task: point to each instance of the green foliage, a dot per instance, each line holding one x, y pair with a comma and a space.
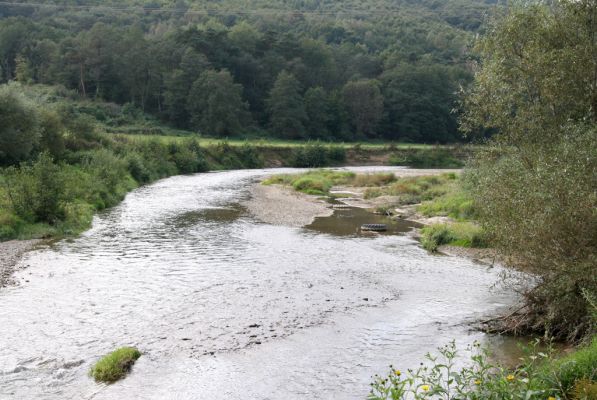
536, 378
413, 190
464, 234
115, 365
286, 107
578, 366
225, 156
35, 191
424, 158
538, 72
249, 156
316, 155
534, 187
418, 101
151, 60
312, 185
455, 201
215, 104
318, 112
19, 128
310, 156
538, 206
364, 102
110, 177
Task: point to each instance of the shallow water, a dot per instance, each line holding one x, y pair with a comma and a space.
225, 307
348, 222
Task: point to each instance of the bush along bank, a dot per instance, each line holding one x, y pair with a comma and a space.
56, 193
56, 196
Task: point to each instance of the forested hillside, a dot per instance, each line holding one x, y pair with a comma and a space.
333, 70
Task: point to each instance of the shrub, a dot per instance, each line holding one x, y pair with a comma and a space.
110, 176
36, 191
538, 204
185, 160
9, 225
115, 365
427, 158
137, 168
336, 154
310, 156
436, 235
249, 157
19, 127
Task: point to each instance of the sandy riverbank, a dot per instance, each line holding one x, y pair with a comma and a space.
278, 205
10, 254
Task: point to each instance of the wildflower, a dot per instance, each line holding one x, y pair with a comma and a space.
510, 378
551, 398
425, 388
397, 372
478, 382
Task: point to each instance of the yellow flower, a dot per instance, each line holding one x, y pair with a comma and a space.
397, 372
510, 378
425, 388
478, 382
551, 398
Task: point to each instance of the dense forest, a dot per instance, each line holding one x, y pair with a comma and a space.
289, 69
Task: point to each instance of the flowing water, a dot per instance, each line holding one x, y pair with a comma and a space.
225, 307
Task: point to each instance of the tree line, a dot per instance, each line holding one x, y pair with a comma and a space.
393, 75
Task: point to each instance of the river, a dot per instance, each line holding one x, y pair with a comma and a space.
225, 307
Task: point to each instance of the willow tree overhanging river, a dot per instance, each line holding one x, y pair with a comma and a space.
226, 307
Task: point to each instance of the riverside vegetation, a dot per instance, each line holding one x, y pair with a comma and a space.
534, 192
540, 376
443, 195
65, 164
529, 92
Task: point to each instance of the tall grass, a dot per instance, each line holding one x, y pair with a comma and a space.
413, 190
463, 234
316, 182
115, 365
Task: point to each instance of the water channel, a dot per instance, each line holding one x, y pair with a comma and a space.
226, 307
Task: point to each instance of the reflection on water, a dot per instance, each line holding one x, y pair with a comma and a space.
223, 307
348, 221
